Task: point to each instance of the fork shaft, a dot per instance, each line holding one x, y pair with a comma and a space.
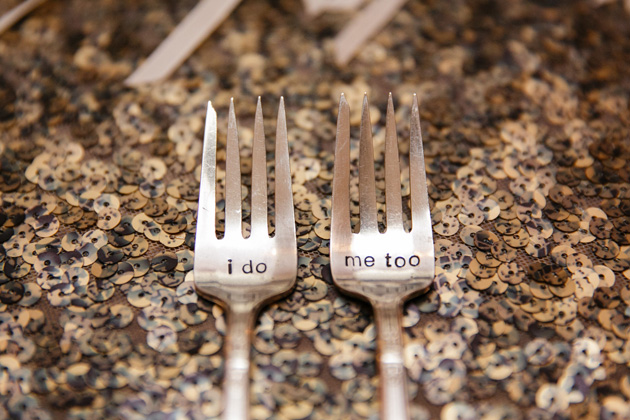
393, 376
236, 379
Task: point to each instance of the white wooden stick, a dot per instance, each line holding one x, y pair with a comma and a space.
204, 18
18, 12
363, 27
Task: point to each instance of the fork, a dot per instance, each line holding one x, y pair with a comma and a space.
244, 274
384, 268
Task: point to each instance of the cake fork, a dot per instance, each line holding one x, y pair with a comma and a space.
384, 268
243, 274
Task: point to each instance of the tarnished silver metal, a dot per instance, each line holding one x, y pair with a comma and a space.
384, 268
243, 274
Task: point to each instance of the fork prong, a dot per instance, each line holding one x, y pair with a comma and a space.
420, 213
393, 197
207, 185
259, 177
340, 220
367, 184
233, 220
285, 218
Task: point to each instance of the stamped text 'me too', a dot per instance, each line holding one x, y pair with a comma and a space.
370, 261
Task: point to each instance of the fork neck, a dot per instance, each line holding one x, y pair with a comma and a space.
387, 314
240, 319
238, 346
393, 376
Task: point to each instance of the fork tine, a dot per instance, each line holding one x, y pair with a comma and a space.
367, 188
285, 218
420, 213
232, 178
393, 198
259, 177
207, 186
340, 221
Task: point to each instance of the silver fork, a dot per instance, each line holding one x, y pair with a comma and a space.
243, 274
384, 268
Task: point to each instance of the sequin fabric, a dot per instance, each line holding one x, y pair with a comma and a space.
526, 120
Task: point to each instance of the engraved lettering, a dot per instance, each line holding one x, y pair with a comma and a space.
352, 260
400, 262
369, 261
247, 268
397, 261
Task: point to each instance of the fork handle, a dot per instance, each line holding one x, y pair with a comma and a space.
237, 350
393, 376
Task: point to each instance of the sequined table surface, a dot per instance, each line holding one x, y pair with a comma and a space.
524, 109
